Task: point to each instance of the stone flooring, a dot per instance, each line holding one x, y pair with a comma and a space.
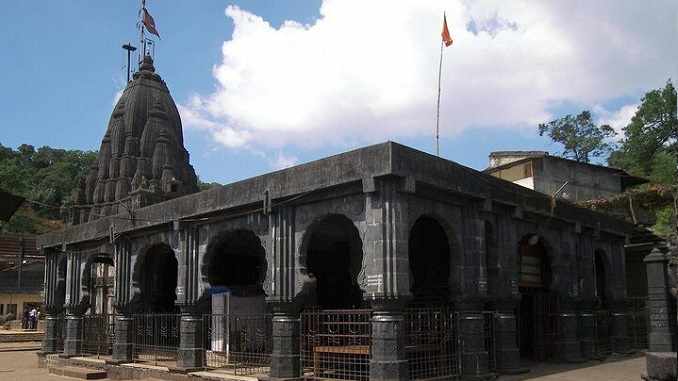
23, 366
626, 368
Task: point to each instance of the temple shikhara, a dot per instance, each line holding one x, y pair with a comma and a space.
382, 263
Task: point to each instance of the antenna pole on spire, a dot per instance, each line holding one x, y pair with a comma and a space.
129, 49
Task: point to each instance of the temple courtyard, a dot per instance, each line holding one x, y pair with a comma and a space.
22, 365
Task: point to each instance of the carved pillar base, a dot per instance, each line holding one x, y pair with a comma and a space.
619, 338
587, 330
123, 344
190, 355
506, 332
662, 325
388, 360
474, 355
73, 340
51, 338
286, 356
568, 345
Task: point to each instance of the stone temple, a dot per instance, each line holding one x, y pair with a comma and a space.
382, 263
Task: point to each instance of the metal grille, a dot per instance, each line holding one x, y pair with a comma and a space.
546, 327
335, 344
97, 334
637, 323
240, 344
431, 343
156, 337
490, 339
601, 337
60, 329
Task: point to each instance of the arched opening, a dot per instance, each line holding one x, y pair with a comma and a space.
533, 282
98, 277
429, 256
158, 280
601, 280
236, 261
60, 289
333, 252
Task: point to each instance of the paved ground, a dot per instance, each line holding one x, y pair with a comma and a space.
22, 365
622, 369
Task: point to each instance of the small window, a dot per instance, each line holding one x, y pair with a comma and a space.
2, 309
173, 188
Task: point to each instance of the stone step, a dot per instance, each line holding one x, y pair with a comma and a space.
80, 373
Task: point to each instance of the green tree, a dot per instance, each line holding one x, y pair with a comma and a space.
46, 175
582, 139
650, 144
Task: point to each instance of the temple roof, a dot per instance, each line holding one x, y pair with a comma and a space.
142, 151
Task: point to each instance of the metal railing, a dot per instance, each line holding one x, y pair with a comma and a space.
602, 345
637, 323
60, 329
241, 344
431, 343
336, 344
98, 332
156, 337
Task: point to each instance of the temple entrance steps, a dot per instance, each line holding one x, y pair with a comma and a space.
79, 373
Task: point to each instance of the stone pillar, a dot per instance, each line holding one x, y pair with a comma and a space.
474, 355
52, 321
73, 339
506, 337
286, 356
661, 335
388, 360
123, 343
587, 333
619, 337
190, 355
191, 352
282, 294
50, 340
568, 345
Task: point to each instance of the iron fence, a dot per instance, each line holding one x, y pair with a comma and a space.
60, 329
602, 346
156, 337
431, 343
336, 344
490, 339
98, 332
637, 323
241, 344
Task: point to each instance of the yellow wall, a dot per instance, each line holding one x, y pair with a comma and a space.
19, 299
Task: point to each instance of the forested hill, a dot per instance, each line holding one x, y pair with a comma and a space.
46, 176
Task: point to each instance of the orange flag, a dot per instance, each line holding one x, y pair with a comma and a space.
447, 39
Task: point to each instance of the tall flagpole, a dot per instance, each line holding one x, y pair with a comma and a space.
440, 71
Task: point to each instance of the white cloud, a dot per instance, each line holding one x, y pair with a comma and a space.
367, 70
117, 95
283, 161
618, 119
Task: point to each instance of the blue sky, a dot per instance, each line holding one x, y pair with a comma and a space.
63, 65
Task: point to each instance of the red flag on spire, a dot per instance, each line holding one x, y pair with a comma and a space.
149, 23
447, 39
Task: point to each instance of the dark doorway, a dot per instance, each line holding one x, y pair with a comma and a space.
60, 289
429, 256
601, 280
158, 280
334, 258
236, 260
536, 305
